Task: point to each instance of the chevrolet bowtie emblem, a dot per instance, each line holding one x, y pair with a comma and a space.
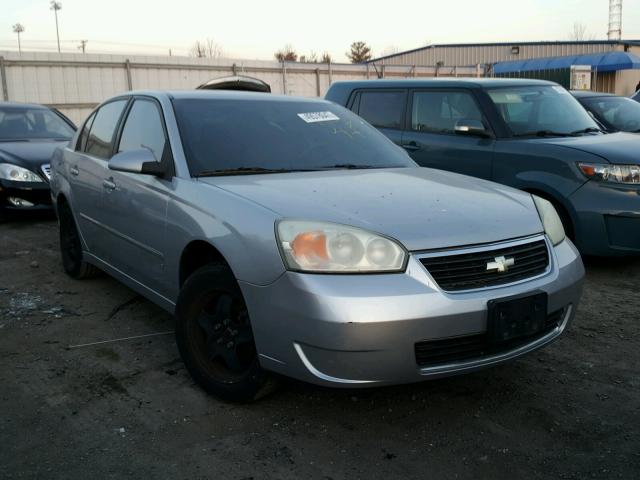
501, 264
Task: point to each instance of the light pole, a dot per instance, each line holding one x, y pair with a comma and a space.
18, 28
55, 6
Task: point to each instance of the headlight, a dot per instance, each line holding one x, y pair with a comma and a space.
550, 220
17, 174
611, 173
332, 248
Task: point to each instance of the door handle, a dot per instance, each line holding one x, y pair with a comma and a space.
411, 146
109, 185
74, 171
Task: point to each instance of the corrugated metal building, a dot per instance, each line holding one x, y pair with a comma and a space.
446, 57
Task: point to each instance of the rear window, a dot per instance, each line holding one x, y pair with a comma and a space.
382, 109
222, 134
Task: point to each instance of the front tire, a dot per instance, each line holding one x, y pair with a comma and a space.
71, 247
215, 338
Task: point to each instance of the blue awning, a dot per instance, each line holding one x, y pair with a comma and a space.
602, 62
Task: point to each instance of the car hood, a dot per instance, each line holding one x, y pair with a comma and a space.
614, 147
29, 154
422, 208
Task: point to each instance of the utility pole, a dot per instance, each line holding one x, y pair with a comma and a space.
83, 45
18, 28
55, 6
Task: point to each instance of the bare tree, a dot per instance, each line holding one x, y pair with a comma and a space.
311, 58
580, 33
286, 54
326, 58
206, 49
360, 52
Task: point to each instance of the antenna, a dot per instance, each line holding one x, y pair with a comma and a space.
615, 20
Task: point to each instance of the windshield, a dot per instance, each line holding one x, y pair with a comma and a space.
258, 134
24, 123
618, 112
545, 109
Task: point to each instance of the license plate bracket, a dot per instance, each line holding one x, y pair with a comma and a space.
516, 317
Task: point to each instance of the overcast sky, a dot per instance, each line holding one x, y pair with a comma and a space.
255, 29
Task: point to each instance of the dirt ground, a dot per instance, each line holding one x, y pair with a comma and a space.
129, 408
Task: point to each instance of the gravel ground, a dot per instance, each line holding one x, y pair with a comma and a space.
129, 408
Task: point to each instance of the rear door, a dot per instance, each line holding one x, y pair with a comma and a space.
430, 137
87, 170
135, 205
384, 109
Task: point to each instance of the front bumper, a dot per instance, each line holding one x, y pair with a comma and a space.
361, 330
607, 218
15, 195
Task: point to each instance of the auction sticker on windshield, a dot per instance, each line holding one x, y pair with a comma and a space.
313, 117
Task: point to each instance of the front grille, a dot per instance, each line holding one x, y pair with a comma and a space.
46, 169
467, 271
458, 349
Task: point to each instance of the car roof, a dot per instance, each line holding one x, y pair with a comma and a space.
23, 105
589, 94
468, 82
225, 95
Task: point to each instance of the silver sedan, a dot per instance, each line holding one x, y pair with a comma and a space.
289, 236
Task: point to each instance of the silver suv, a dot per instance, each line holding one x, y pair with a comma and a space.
287, 235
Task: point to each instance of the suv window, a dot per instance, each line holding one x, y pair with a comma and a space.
84, 134
100, 138
143, 129
382, 109
440, 111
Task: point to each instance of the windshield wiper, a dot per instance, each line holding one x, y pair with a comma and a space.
586, 130
543, 133
244, 171
349, 166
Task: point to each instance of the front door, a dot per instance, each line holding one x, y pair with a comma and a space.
430, 136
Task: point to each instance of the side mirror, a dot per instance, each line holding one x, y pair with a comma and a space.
471, 127
136, 161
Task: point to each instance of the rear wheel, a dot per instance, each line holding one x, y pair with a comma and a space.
215, 339
71, 246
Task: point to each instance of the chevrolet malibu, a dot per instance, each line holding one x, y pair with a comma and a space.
288, 236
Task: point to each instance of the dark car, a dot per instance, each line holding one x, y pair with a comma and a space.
29, 134
615, 114
529, 134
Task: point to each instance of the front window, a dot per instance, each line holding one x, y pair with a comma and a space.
221, 135
541, 110
143, 129
24, 123
438, 112
618, 112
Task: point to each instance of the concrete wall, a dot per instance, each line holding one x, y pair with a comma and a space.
75, 83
